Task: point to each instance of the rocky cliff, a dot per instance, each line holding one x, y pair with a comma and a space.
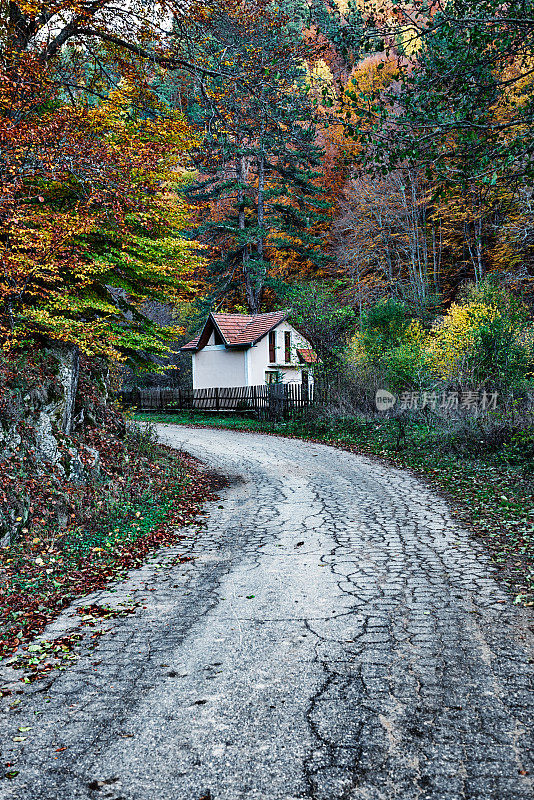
53, 406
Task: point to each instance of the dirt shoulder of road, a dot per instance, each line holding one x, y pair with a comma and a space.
41, 576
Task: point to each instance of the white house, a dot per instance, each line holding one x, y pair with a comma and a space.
249, 350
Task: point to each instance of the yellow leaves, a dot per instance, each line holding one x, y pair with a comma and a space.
29, 8
461, 320
451, 350
357, 351
319, 73
371, 75
94, 339
518, 74
452, 341
90, 202
118, 119
414, 334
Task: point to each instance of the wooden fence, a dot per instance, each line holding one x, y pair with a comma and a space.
274, 400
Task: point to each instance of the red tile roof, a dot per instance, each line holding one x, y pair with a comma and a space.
192, 345
307, 356
238, 329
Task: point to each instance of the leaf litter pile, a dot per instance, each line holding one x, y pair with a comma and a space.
145, 494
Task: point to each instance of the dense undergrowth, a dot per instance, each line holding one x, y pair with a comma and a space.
487, 472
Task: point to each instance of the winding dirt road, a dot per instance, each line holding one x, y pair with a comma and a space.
336, 637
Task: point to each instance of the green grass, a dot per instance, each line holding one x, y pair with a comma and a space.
489, 487
201, 419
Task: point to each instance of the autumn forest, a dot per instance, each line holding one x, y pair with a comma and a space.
220, 155
367, 167
266, 399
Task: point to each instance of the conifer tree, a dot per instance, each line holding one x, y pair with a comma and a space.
257, 165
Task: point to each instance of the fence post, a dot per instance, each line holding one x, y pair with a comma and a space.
305, 388
217, 405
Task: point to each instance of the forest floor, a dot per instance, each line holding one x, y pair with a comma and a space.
493, 499
159, 494
329, 631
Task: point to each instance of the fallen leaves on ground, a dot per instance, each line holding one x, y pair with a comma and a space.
82, 560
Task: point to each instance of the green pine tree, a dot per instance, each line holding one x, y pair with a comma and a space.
258, 161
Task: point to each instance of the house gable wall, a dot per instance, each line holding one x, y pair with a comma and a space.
215, 366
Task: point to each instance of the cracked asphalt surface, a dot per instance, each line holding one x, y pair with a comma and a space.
336, 637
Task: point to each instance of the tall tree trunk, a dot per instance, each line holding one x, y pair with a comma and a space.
436, 256
260, 267
245, 255
69, 373
475, 247
261, 204
479, 249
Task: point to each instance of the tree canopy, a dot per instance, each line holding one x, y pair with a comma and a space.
217, 154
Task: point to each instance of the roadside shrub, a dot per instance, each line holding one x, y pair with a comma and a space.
383, 327
451, 346
470, 436
142, 438
391, 349
499, 354
483, 344
518, 451
407, 367
483, 340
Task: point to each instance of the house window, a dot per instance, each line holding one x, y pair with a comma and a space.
272, 377
287, 343
272, 347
